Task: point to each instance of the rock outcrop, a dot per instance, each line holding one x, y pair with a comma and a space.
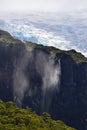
45, 79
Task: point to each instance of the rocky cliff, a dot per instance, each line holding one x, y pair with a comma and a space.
45, 79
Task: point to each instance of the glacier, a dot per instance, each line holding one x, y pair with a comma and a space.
63, 31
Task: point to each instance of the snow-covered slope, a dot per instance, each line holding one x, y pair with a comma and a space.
59, 30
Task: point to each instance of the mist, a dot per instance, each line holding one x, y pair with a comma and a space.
49, 71
42, 5
20, 80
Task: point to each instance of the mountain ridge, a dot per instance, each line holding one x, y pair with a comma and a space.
63, 31
44, 79
77, 56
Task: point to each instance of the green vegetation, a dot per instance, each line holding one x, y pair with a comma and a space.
6, 38
77, 57
14, 118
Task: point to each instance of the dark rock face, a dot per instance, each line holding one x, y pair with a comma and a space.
8, 54
67, 101
70, 103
